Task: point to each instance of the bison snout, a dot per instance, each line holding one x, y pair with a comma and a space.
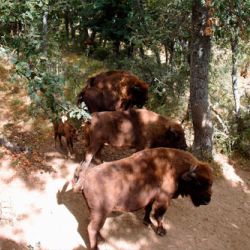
206, 200
198, 201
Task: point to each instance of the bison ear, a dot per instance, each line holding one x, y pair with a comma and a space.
135, 89
189, 175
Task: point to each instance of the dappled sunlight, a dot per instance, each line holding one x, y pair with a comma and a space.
6, 171
127, 231
64, 168
228, 171
33, 215
28, 195
122, 244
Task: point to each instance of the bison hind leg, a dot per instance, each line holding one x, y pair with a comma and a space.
70, 147
98, 156
55, 138
60, 140
158, 215
146, 220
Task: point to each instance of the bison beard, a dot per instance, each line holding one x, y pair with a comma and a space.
113, 90
148, 179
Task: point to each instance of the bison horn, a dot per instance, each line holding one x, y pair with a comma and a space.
190, 175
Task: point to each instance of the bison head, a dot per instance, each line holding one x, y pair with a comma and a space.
197, 183
175, 137
138, 94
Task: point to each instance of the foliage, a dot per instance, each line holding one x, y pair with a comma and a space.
111, 19
227, 137
242, 144
231, 16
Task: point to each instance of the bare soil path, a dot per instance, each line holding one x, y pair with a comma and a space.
39, 211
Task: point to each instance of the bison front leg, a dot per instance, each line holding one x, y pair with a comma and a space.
91, 152
146, 219
160, 207
158, 215
85, 163
94, 227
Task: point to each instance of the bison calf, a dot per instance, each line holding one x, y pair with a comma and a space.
135, 128
67, 130
148, 179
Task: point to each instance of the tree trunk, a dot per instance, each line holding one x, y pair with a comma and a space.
45, 31
200, 55
234, 47
130, 49
72, 29
157, 55
142, 53
66, 23
166, 54
117, 47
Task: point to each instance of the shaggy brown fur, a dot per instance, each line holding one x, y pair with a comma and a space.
134, 128
113, 90
148, 179
98, 100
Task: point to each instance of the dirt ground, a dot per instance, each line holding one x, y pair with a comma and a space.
38, 209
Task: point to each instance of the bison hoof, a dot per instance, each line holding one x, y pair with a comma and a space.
161, 231
147, 222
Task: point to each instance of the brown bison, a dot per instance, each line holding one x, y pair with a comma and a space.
134, 128
148, 179
113, 90
98, 100
66, 129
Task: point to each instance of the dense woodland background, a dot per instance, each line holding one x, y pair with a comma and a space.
194, 54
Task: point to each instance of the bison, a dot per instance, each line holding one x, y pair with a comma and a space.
66, 129
98, 100
113, 90
148, 179
134, 128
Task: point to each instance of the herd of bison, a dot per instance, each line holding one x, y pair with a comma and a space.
159, 171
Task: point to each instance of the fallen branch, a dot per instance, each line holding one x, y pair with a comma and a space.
13, 147
220, 120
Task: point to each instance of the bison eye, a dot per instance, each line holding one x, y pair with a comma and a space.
197, 183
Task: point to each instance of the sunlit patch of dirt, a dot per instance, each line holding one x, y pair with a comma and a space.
228, 171
238, 160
